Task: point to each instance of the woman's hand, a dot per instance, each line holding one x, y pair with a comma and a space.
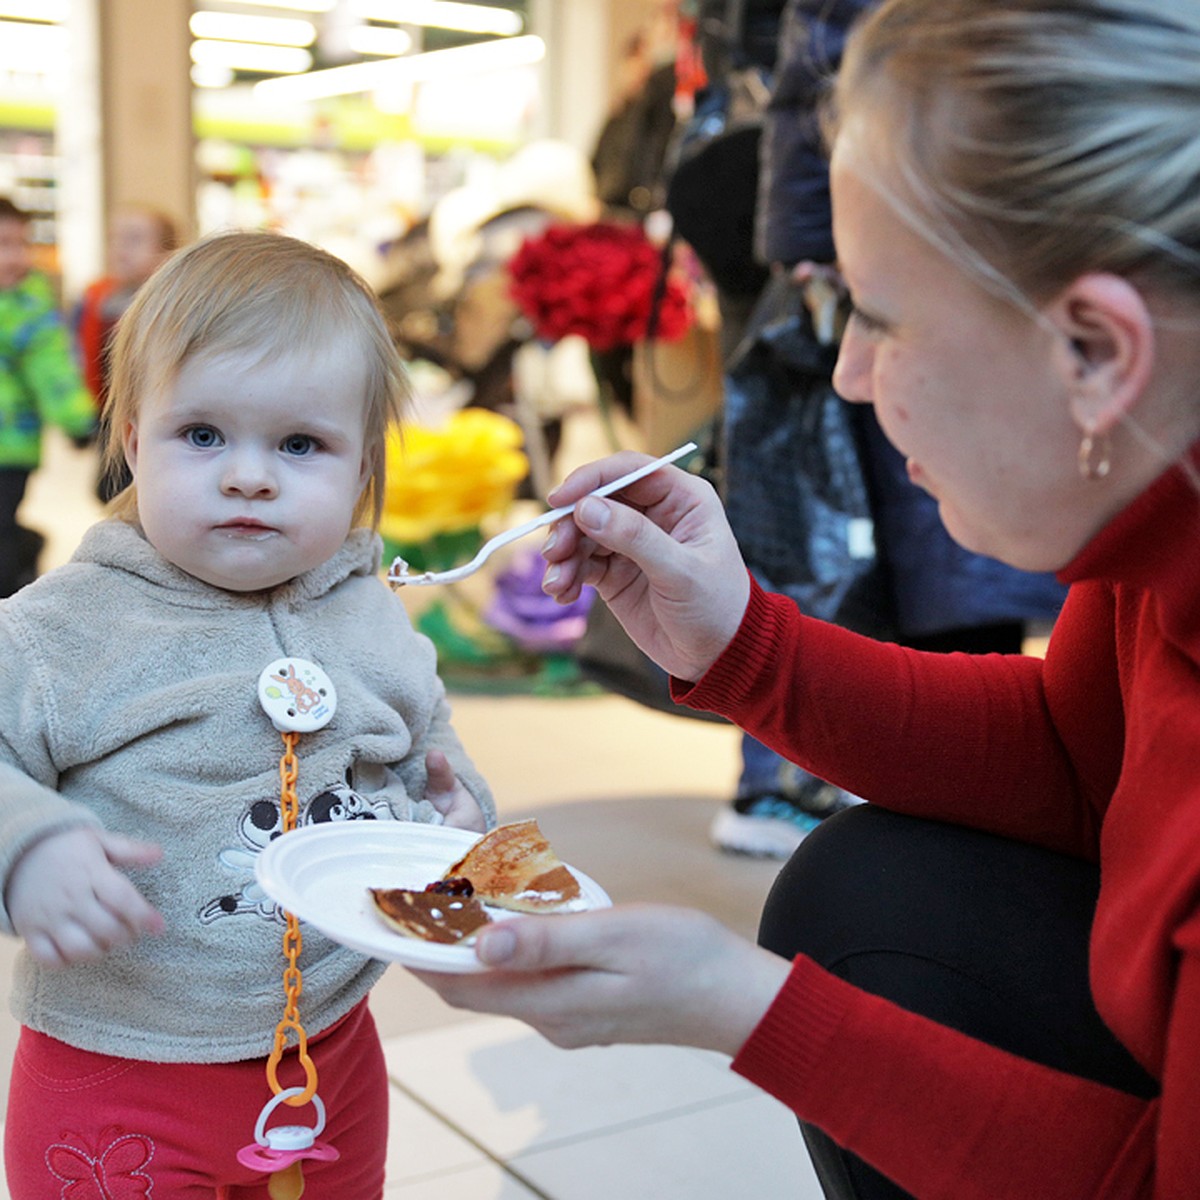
638, 973
71, 902
662, 557
444, 790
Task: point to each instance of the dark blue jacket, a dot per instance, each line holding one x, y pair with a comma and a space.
939, 586
793, 184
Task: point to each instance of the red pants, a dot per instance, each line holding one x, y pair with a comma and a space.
84, 1126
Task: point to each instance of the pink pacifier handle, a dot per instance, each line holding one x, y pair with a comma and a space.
258, 1158
276, 1149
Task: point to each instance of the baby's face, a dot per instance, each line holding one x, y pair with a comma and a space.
134, 247
248, 472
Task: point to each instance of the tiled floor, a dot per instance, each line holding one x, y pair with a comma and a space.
484, 1109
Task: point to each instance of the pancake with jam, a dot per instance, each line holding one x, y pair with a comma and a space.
514, 867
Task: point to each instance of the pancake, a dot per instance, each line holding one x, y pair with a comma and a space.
515, 868
431, 916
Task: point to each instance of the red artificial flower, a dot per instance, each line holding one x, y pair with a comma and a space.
598, 281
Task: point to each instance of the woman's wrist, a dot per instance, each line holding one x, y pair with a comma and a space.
734, 986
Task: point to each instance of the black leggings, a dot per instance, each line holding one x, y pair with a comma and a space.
983, 934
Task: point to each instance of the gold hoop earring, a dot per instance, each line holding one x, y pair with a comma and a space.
1095, 456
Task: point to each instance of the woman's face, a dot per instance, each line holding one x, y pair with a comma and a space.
965, 385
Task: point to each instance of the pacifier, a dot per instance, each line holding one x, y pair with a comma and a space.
274, 1150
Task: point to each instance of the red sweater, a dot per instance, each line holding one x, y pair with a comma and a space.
1094, 751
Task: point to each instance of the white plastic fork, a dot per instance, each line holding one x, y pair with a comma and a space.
398, 574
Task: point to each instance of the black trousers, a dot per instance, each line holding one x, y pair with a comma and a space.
983, 934
17, 544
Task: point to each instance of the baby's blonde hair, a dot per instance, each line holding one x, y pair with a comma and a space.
259, 293
1039, 139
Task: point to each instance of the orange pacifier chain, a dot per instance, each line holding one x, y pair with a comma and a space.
299, 698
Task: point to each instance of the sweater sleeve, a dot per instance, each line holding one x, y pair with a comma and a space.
30, 806
440, 735
963, 738
964, 1121
429, 717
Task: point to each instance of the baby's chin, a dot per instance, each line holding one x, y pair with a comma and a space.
243, 562
240, 580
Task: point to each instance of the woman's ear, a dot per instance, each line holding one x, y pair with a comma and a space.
1109, 348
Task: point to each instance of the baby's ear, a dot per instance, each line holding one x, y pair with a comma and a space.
129, 440
367, 469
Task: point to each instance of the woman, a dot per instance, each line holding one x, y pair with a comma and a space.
1015, 208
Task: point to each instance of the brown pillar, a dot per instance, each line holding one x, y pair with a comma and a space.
146, 106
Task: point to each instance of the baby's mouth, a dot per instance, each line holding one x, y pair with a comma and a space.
246, 527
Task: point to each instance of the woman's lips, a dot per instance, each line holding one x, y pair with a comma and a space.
916, 475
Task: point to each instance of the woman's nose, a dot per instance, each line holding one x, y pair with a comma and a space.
852, 372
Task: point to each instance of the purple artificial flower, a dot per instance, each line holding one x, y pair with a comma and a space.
523, 612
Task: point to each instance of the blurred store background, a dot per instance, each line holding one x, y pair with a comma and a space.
426, 142
343, 121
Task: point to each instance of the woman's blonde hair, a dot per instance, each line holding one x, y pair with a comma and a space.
259, 293
1039, 139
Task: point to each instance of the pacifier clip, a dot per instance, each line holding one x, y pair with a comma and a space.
299, 698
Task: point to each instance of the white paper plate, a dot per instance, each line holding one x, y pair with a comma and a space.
322, 873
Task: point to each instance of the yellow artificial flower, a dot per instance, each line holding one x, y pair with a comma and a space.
447, 479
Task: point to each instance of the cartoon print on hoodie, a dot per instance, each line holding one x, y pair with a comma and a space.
260, 825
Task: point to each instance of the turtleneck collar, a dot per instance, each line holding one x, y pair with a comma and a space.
1154, 544
1148, 538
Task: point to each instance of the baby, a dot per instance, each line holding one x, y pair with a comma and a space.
253, 383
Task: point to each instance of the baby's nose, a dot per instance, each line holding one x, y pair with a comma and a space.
248, 473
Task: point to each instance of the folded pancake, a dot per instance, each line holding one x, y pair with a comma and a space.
514, 867
431, 916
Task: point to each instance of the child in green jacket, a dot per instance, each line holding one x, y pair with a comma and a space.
39, 383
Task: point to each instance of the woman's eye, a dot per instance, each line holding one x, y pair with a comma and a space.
203, 437
299, 444
865, 322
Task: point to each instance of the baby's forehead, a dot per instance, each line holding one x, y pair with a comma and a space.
277, 348
313, 378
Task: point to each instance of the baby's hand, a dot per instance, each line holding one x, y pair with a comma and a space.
444, 791
70, 902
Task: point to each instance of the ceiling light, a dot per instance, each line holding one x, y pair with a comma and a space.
236, 27
49, 11
211, 76
443, 14
374, 39
246, 56
32, 48
437, 64
314, 6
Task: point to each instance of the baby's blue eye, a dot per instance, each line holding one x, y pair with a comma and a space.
299, 444
203, 437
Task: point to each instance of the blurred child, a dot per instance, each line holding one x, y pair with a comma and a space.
253, 383
139, 240
39, 383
